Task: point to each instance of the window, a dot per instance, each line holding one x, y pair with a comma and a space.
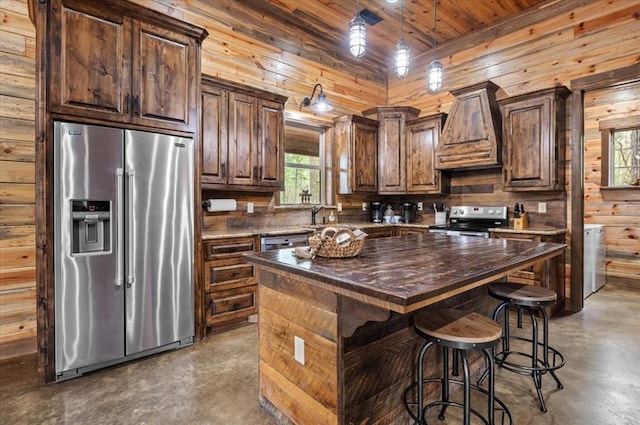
302, 166
620, 152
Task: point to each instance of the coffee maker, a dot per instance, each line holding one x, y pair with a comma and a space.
376, 212
408, 212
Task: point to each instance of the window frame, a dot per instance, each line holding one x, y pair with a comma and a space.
324, 167
607, 128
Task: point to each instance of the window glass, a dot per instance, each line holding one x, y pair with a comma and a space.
302, 166
624, 167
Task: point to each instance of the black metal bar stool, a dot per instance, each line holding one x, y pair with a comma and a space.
461, 331
540, 358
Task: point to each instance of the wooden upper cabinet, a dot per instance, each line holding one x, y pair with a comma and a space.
214, 135
471, 137
356, 140
243, 168
110, 63
164, 89
270, 144
242, 137
423, 136
392, 149
533, 148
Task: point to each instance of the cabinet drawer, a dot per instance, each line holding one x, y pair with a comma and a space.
237, 303
221, 272
225, 248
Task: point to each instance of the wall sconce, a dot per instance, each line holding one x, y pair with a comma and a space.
320, 105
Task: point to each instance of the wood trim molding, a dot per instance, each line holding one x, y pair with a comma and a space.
578, 87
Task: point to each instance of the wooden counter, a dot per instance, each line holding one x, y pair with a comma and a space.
355, 318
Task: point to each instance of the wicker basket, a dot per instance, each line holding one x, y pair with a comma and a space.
327, 246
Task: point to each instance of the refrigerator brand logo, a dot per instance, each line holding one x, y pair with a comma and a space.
75, 132
180, 145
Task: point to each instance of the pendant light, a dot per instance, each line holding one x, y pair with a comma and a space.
435, 71
357, 34
402, 49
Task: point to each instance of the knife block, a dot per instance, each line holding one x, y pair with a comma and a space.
522, 222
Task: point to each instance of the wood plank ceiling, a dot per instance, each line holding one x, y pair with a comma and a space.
317, 29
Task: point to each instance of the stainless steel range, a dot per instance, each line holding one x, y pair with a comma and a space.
473, 221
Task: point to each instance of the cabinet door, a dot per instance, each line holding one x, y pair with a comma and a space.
243, 167
164, 78
270, 144
90, 68
392, 154
365, 157
528, 142
214, 135
423, 136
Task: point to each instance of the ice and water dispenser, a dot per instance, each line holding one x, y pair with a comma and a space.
91, 226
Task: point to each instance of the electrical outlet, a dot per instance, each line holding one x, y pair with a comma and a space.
542, 207
364, 206
419, 206
250, 207
298, 349
339, 206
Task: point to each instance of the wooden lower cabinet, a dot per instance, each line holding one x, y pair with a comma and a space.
404, 231
230, 288
539, 274
377, 231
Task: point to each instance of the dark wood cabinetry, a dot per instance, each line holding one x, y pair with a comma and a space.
356, 140
242, 137
549, 274
423, 136
392, 146
109, 64
230, 289
471, 137
533, 140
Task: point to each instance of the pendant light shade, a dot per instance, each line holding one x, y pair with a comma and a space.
402, 51
435, 76
402, 58
357, 34
435, 71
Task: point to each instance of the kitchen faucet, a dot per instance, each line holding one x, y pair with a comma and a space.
315, 210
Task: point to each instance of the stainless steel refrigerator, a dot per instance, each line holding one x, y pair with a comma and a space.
123, 245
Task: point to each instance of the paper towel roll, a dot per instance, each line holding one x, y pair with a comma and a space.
214, 205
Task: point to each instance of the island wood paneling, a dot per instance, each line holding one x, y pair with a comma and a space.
17, 181
597, 36
620, 215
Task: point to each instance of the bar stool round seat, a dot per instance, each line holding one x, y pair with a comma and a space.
540, 358
460, 331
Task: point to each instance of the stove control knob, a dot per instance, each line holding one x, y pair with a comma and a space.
490, 212
454, 212
461, 212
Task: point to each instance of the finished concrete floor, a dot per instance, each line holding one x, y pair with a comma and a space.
215, 381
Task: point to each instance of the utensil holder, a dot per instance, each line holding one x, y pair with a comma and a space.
522, 222
441, 217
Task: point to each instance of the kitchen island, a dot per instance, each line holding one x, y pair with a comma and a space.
336, 339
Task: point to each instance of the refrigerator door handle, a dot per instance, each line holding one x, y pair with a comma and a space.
131, 278
120, 226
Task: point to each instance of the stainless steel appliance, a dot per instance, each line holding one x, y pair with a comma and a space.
123, 245
594, 259
473, 221
376, 212
269, 243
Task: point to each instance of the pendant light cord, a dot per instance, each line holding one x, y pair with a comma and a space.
435, 40
401, 19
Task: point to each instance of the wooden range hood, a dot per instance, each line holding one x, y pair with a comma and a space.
471, 137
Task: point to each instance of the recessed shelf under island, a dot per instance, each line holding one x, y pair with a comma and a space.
336, 339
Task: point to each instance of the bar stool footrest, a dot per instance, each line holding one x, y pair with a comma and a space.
500, 406
556, 363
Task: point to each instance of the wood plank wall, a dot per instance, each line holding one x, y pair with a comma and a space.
621, 217
601, 36
17, 181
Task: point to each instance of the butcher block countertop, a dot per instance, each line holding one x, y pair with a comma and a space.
406, 273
